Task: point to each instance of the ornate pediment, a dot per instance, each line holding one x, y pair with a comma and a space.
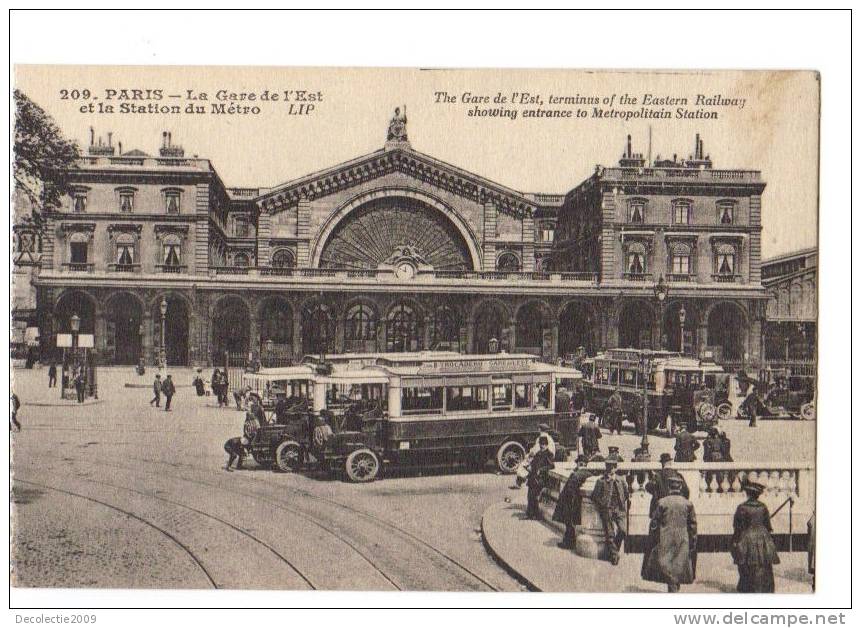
404, 160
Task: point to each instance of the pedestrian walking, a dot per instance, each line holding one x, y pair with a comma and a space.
236, 449
239, 396
614, 413
198, 383
686, 446
713, 447
156, 391
658, 486
80, 385
52, 375
537, 481
215, 384
726, 446
569, 506
610, 497
168, 388
753, 549
14, 425
670, 555
590, 433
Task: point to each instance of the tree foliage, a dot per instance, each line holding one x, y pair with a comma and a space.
42, 156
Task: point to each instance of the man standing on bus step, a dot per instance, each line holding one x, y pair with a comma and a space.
590, 433
686, 446
610, 497
156, 391
169, 390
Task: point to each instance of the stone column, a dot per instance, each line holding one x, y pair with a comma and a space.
340, 325
554, 350
146, 343
470, 336
297, 334
702, 337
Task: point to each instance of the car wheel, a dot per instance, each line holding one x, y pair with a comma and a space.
724, 411
808, 412
288, 456
362, 465
509, 456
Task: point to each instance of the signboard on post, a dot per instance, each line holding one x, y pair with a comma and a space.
86, 341
64, 340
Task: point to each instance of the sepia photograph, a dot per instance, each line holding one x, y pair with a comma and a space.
407, 329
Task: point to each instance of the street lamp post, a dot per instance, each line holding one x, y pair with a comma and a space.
682, 315
646, 363
163, 352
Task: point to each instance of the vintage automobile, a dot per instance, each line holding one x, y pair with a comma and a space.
418, 409
676, 386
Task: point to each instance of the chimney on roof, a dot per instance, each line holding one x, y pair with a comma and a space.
110, 137
628, 153
120, 148
92, 136
167, 147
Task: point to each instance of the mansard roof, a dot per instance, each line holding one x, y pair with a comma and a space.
399, 159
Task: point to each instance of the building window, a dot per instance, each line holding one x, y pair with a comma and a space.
79, 201
283, 258
681, 212
241, 229
126, 198
725, 212
172, 249
446, 329
240, 260
171, 201
635, 259
508, 262
725, 260
637, 211
78, 250
681, 259
125, 254
546, 232
403, 330
361, 324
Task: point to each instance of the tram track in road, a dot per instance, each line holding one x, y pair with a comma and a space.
400, 573
125, 512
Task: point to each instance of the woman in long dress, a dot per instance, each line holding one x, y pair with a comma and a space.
753, 549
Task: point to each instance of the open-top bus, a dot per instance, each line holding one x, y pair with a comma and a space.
681, 387
425, 408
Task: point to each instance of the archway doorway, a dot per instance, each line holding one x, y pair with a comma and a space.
727, 332
635, 326
532, 320
491, 319
404, 329
577, 327
673, 328
318, 329
123, 319
231, 328
175, 330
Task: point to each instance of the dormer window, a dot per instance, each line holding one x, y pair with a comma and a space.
171, 201
725, 212
126, 200
637, 211
681, 212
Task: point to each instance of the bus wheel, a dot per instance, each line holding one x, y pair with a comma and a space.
724, 411
509, 456
808, 412
288, 456
362, 465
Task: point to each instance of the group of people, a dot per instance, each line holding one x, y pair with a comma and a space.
670, 555
161, 387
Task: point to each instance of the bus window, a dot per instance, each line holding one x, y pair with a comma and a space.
465, 398
614, 375
542, 396
629, 378
421, 400
696, 379
521, 395
501, 397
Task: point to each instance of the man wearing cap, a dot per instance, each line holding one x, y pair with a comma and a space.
536, 482
670, 555
569, 505
614, 413
686, 446
614, 454
523, 471
713, 447
610, 497
658, 486
236, 448
590, 433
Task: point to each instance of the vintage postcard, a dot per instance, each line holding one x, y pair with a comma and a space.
405, 329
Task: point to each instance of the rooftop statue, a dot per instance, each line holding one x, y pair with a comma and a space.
398, 126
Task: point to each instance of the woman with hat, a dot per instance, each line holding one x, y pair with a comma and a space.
753, 549
671, 550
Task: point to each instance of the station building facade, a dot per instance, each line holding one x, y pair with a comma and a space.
398, 251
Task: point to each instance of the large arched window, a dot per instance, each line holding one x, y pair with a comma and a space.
446, 329
403, 329
240, 260
283, 258
508, 262
318, 329
360, 328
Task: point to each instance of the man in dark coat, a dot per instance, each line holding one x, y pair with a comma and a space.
713, 447
726, 446
52, 375
658, 486
156, 391
670, 555
536, 482
236, 448
610, 497
589, 434
80, 385
569, 505
686, 445
168, 388
578, 398
614, 454
614, 413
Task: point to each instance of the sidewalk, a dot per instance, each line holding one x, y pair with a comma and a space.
528, 551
